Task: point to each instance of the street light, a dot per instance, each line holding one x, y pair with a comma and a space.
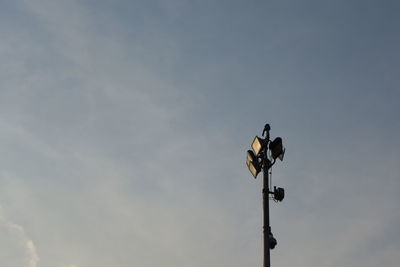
258, 159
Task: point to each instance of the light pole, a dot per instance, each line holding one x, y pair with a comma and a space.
262, 157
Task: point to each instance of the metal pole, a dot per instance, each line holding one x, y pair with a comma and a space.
266, 227
265, 192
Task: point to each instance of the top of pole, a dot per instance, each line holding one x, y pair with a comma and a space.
266, 130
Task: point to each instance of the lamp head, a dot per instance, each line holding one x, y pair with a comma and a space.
252, 163
258, 145
276, 148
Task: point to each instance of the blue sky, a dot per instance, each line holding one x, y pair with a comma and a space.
124, 127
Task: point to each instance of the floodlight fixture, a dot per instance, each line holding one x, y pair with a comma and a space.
276, 148
258, 145
252, 163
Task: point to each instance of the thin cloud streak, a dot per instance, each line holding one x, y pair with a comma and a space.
32, 258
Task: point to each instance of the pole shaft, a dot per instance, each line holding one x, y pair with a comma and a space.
266, 227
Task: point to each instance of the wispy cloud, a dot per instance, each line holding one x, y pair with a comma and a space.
31, 256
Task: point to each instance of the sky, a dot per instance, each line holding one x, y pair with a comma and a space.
124, 127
